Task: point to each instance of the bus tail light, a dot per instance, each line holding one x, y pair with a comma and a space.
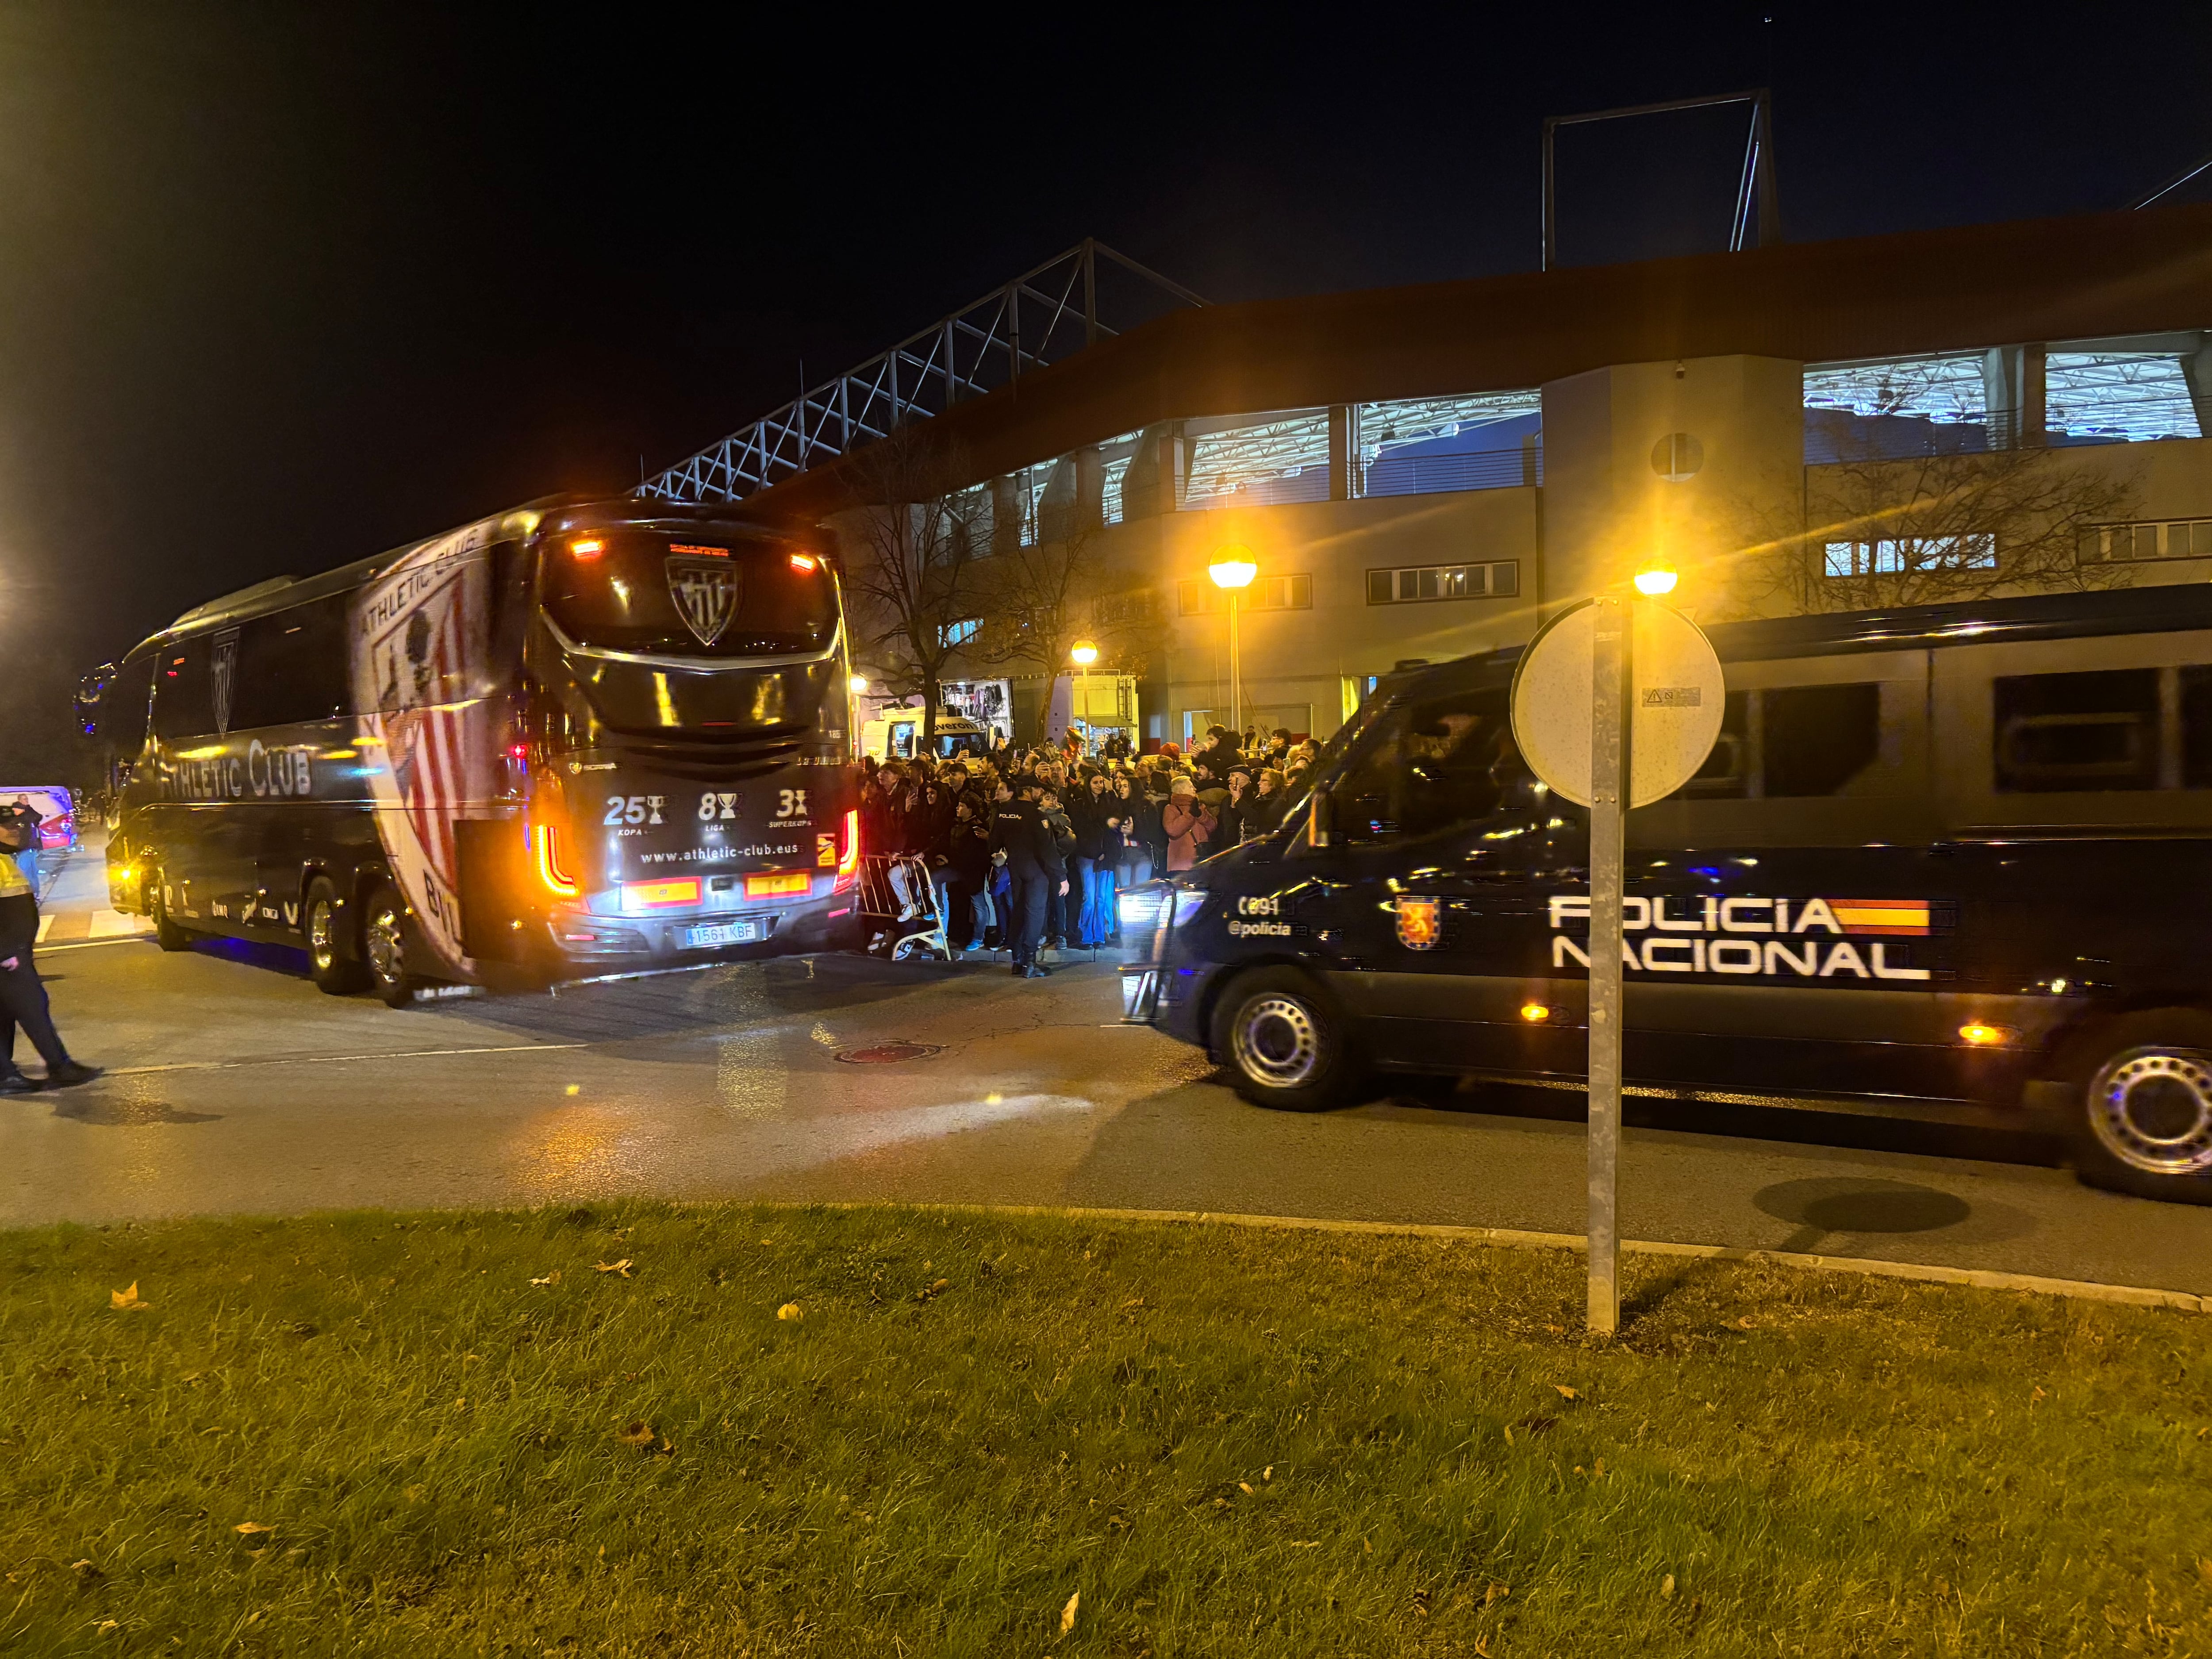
849, 862
557, 880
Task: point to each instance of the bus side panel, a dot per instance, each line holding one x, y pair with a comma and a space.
422, 680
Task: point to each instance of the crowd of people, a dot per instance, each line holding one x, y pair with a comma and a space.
1027, 850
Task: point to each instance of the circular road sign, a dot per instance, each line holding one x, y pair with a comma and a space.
1675, 691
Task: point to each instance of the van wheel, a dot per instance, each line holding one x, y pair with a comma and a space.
1287, 1042
384, 945
2145, 1125
167, 933
337, 970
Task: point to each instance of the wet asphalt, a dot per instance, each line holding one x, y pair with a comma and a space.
235, 1086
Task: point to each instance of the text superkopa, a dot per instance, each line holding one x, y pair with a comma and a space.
1807, 939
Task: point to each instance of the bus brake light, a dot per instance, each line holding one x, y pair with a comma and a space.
801, 562
849, 864
587, 548
557, 880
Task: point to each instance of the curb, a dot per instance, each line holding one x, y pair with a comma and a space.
1508, 1238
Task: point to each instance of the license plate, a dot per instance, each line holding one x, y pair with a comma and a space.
725, 933
777, 883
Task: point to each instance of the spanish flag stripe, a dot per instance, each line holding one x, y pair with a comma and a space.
1881, 915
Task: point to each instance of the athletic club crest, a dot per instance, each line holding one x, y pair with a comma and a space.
223, 676
1419, 924
706, 595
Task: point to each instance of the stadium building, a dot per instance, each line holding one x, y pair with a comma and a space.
1422, 473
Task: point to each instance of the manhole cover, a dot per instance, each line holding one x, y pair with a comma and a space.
889, 1053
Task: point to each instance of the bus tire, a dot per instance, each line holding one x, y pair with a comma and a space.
167, 933
334, 958
1287, 1042
384, 945
2143, 1118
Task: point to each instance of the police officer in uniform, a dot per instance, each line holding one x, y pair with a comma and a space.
22, 998
1023, 842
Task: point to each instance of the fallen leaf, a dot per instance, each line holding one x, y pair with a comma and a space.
1067, 1612
1667, 1588
104, 1626
128, 1298
1557, 1330
1496, 1593
1509, 1434
2035, 1395
1267, 1474
791, 1311
1565, 1392
620, 1267
553, 1277
934, 1291
1244, 1487
1746, 1323
250, 1529
637, 1434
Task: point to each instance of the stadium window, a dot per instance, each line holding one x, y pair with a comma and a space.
2067, 732
1977, 551
2118, 396
1424, 445
1497, 580
2169, 539
1258, 464
1203, 599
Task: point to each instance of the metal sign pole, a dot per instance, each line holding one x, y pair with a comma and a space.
1611, 676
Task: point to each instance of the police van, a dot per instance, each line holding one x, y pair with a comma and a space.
1953, 856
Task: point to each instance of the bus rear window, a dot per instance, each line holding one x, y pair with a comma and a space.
660, 596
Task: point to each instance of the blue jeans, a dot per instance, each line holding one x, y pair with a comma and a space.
27, 862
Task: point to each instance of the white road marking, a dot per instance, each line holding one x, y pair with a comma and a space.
113, 924
46, 926
340, 1060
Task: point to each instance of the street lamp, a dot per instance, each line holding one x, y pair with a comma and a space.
1232, 571
1655, 579
1082, 656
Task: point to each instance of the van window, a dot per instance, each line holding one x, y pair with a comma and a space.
1817, 737
1429, 767
1791, 741
2072, 732
292, 667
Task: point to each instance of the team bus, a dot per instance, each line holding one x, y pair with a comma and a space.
579, 738
1956, 860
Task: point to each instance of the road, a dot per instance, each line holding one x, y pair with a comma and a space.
234, 1086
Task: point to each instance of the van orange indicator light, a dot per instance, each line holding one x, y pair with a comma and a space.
801, 562
1535, 1012
1978, 1035
587, 547
557, 880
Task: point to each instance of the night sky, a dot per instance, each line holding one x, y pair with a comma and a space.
286, 285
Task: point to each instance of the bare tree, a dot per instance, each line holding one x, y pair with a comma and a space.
913, 537
1928, 528
1046, 595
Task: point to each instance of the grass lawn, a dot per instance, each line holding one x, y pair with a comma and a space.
424, 1435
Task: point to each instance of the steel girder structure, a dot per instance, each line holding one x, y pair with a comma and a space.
1042, 316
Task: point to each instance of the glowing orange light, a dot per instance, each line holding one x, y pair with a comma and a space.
684, 890
698, 551
802, 562
1535, 1012
778, 882
1978, 1035
550, 872
587, 547
850, 862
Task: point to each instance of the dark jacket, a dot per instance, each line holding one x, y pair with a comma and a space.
18, 926
968, 845
1018, 830
1089, 813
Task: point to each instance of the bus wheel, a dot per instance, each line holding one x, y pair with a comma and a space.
2146, 1122
1286, 1043
384, 943
336, 970
167, 933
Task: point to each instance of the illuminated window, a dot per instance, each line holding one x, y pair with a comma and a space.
1422, 446
1200, 598
1894, 558
960, 633
1497, 580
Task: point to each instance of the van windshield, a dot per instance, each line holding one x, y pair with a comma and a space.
661, 596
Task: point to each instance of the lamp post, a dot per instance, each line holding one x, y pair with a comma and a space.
1232, 571
1082, 656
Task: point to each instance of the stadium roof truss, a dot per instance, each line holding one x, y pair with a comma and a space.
1040, 317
